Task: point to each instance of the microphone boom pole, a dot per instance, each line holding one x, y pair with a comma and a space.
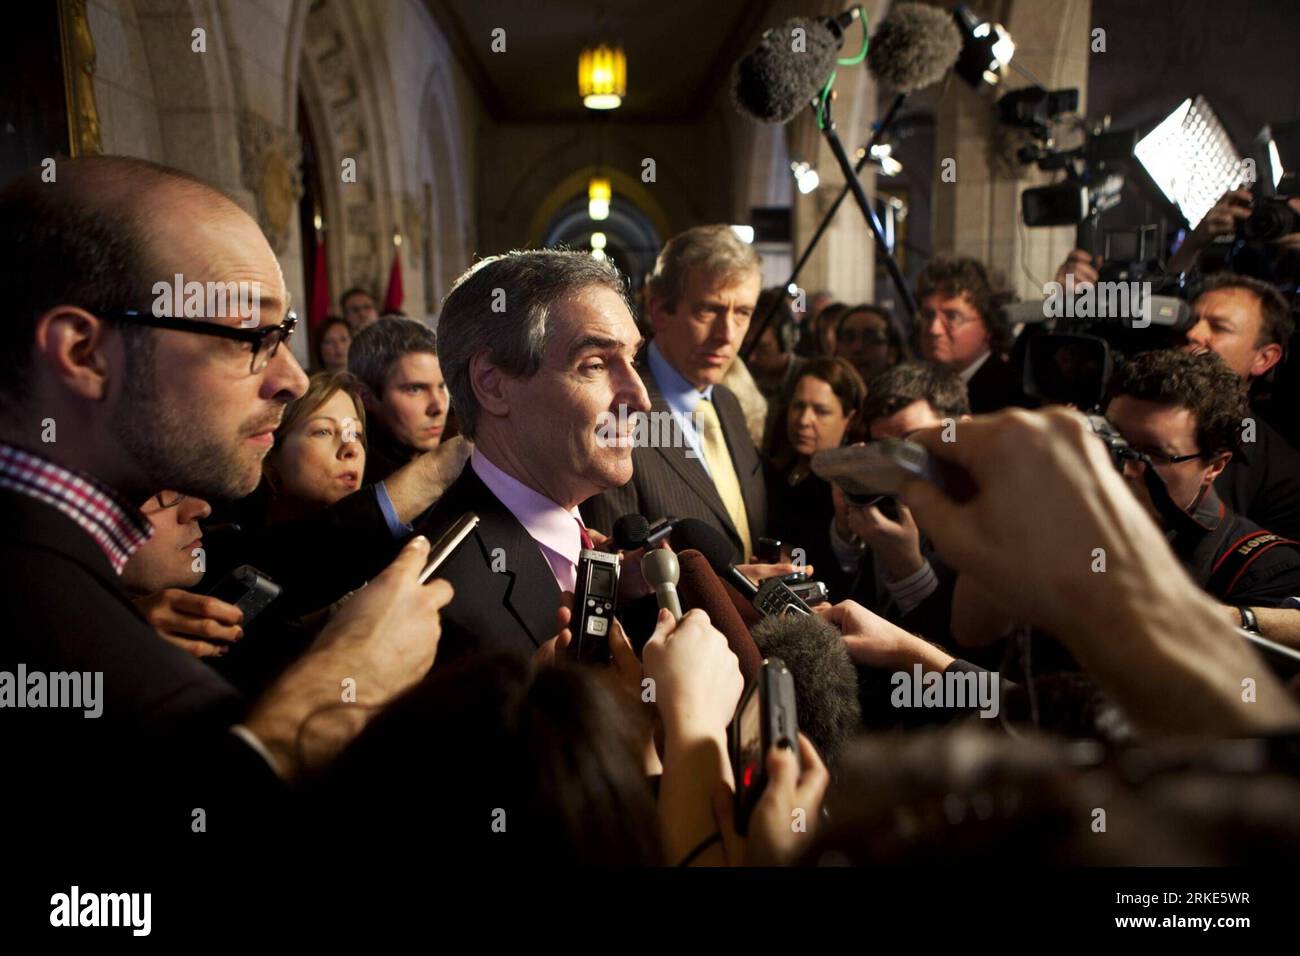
851, 181
855, 184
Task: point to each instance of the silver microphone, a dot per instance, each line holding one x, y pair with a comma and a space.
659, 568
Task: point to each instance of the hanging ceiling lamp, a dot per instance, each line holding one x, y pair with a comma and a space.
602, 77
599, 193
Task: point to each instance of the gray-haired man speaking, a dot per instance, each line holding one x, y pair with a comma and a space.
538, 350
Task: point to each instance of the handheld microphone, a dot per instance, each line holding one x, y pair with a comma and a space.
773, 596
701, 588
660, 569
633, 532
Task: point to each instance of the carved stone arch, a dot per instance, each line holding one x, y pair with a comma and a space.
194, 94
340, 104
565, 168
446, 227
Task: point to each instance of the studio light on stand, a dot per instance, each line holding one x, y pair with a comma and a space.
1190, 157
986, 50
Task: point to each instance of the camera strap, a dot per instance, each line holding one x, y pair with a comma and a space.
1240, 555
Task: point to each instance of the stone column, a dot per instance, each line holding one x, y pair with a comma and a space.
978, 213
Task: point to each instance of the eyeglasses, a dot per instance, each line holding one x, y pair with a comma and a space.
167, 499
1160, 458
265, 341
951, 320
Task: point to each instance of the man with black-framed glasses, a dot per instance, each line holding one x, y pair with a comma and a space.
103, 401
1183, 413
961, 324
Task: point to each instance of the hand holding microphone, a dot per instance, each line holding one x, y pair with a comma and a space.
662, 573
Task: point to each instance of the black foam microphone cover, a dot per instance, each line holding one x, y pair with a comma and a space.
913, 47
630, 532
704, 538
825, 680
780, 76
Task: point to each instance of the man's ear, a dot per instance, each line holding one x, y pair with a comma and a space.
1217, 466
77, 350
1265, 359
490, 383
657, 311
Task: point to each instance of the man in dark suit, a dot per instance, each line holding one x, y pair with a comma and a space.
962, 327
103, 401
1248, 324
699, 460
538, 348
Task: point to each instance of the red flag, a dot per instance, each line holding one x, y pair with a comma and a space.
393, 299
320, 288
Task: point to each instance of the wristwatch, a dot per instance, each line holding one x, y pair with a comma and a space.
1248, 620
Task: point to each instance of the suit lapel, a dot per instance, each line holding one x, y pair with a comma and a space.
526, 585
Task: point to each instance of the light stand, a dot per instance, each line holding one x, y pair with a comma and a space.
852, 183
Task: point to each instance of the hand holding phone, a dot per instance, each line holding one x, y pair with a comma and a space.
765, 718
447, 544
247, 589
881, 468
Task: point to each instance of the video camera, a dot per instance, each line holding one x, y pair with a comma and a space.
1136, 305
1274, 184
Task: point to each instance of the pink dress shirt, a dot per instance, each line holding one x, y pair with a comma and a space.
557, 532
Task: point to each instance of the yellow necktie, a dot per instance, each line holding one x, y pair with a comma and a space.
716, 456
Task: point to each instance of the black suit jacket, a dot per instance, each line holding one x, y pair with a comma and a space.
994, 386
384, 452
162, 745
506, 596
665, 482
1262, 481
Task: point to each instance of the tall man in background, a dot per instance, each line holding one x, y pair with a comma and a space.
699, 301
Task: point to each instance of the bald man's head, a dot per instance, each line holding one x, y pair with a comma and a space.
90, 262
90, 239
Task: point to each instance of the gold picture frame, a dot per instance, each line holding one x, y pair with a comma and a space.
78, 48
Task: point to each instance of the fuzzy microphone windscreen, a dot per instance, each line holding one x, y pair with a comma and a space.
825, 680
914, 47
790, 65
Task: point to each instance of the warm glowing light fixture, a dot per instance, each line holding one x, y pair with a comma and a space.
598, 240
602, 77
599, 193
